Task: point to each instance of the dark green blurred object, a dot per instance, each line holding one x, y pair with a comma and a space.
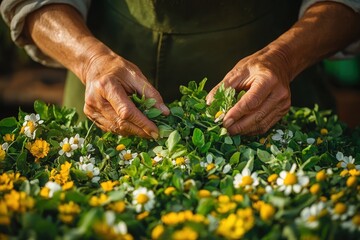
345, 72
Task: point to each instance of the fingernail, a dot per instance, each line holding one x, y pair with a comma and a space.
228, 122
154, 135
164, 108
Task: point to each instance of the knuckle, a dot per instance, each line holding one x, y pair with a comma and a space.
260, 115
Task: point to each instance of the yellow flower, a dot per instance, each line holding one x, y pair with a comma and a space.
236, 225
213, 176
203, 193
108, 185
97, 201
210, 167
18, 201
335, 197
315, 188
40, 148
344, 172
142, 215
219, 116
169, 190
170, 218
67, 185
351, 181
324, 131
2, 154
180, 161
69, 208
4, 217
238, 198
340, 208
186, 233
118, 206
321, 176
319, 141
157, 231
9, 137
272, 178
267, 212
120, 147
6, 182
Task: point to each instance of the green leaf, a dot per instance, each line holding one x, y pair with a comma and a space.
198, 138
8, 122
150, 102
153, 113
173, 139
308, 164
226, 185
263, 155
42, 109
177, 111
146, 159
234, 159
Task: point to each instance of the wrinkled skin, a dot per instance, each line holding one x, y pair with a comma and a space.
268, 95
106, 97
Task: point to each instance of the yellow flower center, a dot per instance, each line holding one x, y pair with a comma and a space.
267, 211
340, 208
290, 179
312, 218
2, 154
90, 174
246, 180
169, 190
127, 156
319, 141
350, 166
142, 198
356, 220
218, 114
210, 166
31, 126
203, 193
157, 232
180, 161
66, 147
9, 137
315, 188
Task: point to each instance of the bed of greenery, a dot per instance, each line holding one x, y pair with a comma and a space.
64, 179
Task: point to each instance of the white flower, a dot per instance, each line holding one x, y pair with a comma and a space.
90, 148
127, 157
158, 158
30, 124
226, 168
143, 199
310, 140
246, 179
219, 116
53, 187
119, 227
281, 136
4, 146
91, 171
347, 162
352, 224
310, 216
209, 163
87, 159
289, 182
341, 211
67, 148
77, 140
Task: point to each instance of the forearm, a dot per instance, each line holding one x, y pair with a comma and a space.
324, 29
61, 33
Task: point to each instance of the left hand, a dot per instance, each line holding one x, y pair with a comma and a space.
265, 78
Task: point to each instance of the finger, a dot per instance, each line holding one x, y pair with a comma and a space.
107, 120
261, 120
252, 99
150, 92
127, 111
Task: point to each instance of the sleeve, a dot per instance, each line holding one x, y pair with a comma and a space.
14, 13
354, 48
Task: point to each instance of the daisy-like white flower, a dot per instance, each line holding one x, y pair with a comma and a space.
281, 136
209, 164
143, 199
346, 162
30, 124
91, 171
246, 179
119, 227
182, 162
341, 211
67, 148
77, 140
352, 224
291, 181
310, 216
4, 146
127, 157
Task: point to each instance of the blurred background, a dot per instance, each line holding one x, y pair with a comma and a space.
22, 81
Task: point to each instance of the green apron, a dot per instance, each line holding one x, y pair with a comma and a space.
177, 41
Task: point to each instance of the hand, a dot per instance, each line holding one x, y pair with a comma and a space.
264, 75
109, 80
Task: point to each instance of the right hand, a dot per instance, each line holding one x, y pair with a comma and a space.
110, 79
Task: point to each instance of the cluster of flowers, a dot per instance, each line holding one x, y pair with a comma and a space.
74, 181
